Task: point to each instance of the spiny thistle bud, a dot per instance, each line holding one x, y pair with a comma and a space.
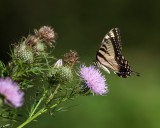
24, 52
26, 56
71, 58
63, 74
40, 47
47, 34
60, 73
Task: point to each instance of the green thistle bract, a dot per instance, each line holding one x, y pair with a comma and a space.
23, 52
26, 55
60, 74
40, 47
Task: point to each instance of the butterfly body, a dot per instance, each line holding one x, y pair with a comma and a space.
109, 55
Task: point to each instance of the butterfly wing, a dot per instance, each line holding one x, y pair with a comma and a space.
109, 55
106, 53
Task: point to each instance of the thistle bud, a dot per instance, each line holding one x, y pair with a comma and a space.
26, 55
59, 63
40, 47
60, 73
24, 52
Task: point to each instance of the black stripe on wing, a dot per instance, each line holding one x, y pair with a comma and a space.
115, 38
117, 50
100, 55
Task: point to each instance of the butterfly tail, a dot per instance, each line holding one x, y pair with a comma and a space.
135, 73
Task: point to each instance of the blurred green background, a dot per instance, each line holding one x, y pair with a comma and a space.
81, 24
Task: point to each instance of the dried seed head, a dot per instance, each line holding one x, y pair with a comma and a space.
32, 40
47, 34
71, 58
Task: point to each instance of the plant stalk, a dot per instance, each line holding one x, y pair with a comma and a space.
43, 110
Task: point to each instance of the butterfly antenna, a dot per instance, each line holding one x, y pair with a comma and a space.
135, 73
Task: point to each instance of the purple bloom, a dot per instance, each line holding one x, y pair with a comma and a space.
93, 79
59, 63
11, 92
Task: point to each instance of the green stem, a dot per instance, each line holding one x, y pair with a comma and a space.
43, 110
52, 96
36, 107
63, 100
32, 117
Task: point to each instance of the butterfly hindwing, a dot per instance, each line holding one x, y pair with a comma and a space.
124, 70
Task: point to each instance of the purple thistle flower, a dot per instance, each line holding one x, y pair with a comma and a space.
59, 63
93, 79
11, 92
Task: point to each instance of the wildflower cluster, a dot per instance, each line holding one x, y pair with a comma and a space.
53, 80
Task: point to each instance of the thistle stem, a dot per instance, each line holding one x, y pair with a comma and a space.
52, 96
41, 111
33, 117
36, 107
